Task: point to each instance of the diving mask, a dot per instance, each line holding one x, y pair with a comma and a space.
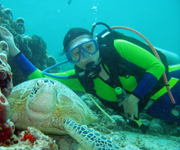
84, 48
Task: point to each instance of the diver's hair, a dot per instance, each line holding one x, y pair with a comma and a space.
72, 34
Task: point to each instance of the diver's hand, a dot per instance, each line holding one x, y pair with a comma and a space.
130, 105
8, 38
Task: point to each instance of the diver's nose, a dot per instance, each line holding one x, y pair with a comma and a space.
85, 55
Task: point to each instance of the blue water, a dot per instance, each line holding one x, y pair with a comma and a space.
158, 20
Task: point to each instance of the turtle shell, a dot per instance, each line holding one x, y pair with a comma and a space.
45, 103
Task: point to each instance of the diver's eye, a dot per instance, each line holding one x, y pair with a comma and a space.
75, 53
89, 47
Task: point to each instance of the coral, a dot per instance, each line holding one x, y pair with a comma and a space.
1, 7
34, 47
20, 28
50, 62
38, 45
24, 46
33, 139
3, 47
8, 13
5, 70
20, 20
6, 126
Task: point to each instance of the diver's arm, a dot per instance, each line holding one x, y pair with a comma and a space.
9, 39
32, 73
13, 51
28, 68
142, 58
72, 83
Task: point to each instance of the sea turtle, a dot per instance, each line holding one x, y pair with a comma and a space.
53, 108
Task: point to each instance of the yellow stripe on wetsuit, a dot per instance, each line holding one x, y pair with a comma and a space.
174, 68
171, 83
162, 91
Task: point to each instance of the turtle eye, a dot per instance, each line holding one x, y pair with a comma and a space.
40, 83
45, 81
51, 81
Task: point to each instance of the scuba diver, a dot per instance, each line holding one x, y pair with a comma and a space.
120, 72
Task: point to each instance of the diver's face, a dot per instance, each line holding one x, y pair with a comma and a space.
85, 50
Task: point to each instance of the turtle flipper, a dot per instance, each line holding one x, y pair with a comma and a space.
87, 137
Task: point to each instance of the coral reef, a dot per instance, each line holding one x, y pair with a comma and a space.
8, 13
5, 70
51, 61
33, 139
20, 26
161, 135
6, 126
34, 47
53, 114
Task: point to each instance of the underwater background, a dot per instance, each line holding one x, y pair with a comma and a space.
158, 21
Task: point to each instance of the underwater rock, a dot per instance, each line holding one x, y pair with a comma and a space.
156, 127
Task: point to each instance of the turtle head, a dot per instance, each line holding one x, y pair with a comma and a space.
42, 99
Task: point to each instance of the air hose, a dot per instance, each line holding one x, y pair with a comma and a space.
175, 110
